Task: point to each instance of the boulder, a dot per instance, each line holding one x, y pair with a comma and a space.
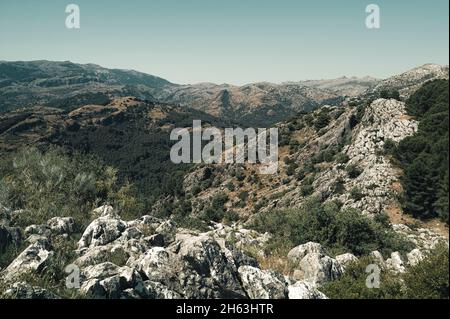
304, 290
168, 230
107, 280
100, 271
32, 259
414, 257
378, 258
61, 225
99, 254
156, 290
105, 210
297, 253
345, 259
263, 284
101, 231
40, 230
395, 263
318, 269
205, 256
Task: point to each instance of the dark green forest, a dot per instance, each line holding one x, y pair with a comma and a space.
424, 156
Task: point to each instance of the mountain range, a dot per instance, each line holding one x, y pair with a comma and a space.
67, 85
86, 180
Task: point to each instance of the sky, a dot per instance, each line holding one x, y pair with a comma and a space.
232, 41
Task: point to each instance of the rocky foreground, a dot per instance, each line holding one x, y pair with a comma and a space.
152, 258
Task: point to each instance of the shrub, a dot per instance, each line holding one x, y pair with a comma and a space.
389, 146
336, 229
55, 183
353, 171
342, 158
322, 120
356, 194
352, 285
429, 279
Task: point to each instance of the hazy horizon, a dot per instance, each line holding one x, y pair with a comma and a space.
236, 42
226, 83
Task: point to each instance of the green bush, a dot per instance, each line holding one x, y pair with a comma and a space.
353, 171
352, 285
342, 158
56, 183
336, 229
322, 120
356, 194
429, 279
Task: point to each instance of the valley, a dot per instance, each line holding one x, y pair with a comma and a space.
86, 180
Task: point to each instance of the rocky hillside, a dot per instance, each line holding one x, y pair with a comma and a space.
129, 134
254, 104
67, 86
408, 82
91, 192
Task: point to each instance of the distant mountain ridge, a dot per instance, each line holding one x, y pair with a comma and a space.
66, 85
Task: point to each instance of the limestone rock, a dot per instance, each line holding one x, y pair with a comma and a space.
32, 259
61, 225
345, 259
101, 231
414, 257
396, 263
263, 284
297, 253
304, 290
318, 269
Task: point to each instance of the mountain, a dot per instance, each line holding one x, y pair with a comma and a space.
93, 187
127, 133
253, 104
408, 82
67, 85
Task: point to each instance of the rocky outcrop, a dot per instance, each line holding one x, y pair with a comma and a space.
101, 231
346, 259
424, 239
305, 290
61, 225
31, 260
263, 284
396, 263
170, 263
383, 120
313, 266
408, 82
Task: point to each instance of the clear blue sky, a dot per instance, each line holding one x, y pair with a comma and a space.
233, 41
